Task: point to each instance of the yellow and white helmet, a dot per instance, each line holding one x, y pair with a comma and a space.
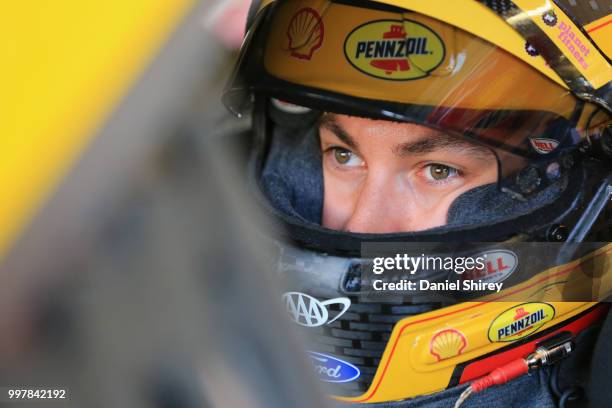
521, 78
528, 79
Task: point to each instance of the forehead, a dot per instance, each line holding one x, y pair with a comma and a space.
400, 137
358, 126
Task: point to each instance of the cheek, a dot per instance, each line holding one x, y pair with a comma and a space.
439, 214
412, 213
486, 175
339, 199
425, 218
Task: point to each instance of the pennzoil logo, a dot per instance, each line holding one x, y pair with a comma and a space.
305, 33
394, 49
447, 343
520, 321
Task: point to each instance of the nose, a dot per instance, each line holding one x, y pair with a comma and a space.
381, 207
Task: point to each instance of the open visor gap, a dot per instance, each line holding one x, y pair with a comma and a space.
309, 73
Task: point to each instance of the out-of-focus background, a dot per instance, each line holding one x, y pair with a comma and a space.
129, 271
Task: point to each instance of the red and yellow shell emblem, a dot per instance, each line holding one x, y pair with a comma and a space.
447, 343
305, 33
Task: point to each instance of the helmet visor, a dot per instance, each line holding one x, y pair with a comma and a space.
388, 63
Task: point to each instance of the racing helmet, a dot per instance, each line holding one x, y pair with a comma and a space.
528, 83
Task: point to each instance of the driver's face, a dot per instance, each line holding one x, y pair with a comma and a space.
382, 177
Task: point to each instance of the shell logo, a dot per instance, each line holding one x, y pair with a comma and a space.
394, 49
520, 321
447, 343
305, 33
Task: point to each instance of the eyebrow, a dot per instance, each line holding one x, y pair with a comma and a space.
422, 146
329, 122
442, 142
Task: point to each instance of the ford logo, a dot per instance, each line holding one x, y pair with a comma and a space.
332, 369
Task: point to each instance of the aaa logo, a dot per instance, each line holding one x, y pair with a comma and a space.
308, 311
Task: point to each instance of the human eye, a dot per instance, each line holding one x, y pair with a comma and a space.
345, 157
440, 173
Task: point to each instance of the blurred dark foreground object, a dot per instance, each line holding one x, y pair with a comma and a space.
142, 283
172, 309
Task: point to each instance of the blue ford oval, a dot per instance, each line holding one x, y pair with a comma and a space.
332, 369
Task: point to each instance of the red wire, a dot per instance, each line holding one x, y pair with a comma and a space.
501, 375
